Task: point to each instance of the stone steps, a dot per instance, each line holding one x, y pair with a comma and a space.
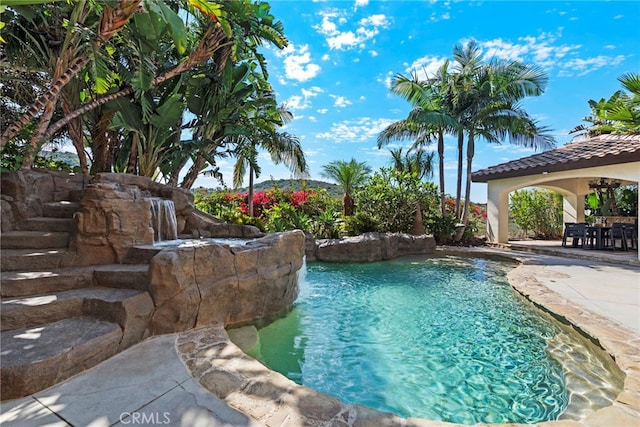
128, 276
33, 310
68, 195
36, 358
62, 209
48, 224
34, 239
34, 259
24, 283
57, 319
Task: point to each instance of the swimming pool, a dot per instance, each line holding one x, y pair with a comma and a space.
438, 338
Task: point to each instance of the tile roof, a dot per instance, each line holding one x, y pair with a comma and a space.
601, 150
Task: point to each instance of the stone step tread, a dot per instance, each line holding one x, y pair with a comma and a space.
36, 358
127, 276
28, 345
33, 259
23, 239
105, 294
43, 223
63, 209
30, 311
25, 283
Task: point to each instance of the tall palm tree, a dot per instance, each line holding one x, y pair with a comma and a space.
348, 175
431, 116
495, 115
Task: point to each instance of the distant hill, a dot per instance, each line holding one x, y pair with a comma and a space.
295, 185
67, 157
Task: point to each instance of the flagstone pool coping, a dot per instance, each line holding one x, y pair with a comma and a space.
270, 398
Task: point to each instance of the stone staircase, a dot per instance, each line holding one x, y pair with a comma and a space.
57, 320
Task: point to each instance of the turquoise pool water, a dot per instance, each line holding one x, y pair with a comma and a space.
439, 338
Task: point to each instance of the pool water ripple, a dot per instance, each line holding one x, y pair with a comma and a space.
440, 338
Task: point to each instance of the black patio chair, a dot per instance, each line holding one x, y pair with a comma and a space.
618, 234
631, 235
577, 232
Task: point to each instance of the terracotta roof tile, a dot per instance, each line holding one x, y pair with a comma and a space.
598, 151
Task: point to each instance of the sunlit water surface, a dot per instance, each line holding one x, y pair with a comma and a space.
438, 338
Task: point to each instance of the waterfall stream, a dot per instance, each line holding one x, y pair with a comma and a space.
163, 220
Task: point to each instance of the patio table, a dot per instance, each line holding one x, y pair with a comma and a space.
597, 235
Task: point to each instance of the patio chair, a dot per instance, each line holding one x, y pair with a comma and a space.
618, 234
577, 232
631, 235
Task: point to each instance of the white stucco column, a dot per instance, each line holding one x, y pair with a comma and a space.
497, 213
573, 208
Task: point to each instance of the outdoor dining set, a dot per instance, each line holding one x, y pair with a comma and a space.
601, 236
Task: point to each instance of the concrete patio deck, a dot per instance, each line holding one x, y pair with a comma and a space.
199, 378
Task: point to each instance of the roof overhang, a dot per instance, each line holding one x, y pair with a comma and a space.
603, 150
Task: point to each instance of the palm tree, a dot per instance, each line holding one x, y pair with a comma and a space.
495, 115
415, 161
618, 114
430, 118
348, 175
282, 146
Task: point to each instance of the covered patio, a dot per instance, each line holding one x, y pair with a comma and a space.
567, 170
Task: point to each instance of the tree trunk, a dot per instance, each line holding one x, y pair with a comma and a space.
133, 155
101, 144
348, 205
175, 173
250, 196
193, 173
459, 182
77, 138
467, 193
34, 143
443, 205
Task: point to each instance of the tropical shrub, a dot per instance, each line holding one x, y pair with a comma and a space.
388, 201
284, 216
276, 210
359, 223
538, 212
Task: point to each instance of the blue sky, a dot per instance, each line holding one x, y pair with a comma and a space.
335, 74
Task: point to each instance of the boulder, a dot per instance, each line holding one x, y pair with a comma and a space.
232, 285
370, 247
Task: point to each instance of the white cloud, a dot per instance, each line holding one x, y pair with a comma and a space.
344, 39
360, 3
360, 130
373, 53
340, 101
341, 40
386, 80
297, 63
323, 111
302, 102
580, 67
544, 51
325, 57
425, 67
378, 20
